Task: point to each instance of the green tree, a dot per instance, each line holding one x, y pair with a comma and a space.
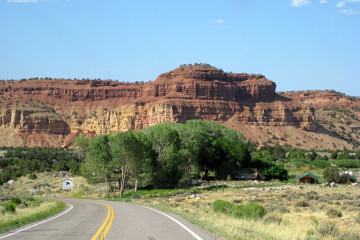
128, 152
334, 154
167, 145
331, 174
97, 164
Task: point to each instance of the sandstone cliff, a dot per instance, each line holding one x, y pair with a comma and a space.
51, 112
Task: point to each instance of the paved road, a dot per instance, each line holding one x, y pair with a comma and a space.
126, 221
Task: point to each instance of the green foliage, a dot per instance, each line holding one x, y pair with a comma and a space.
272, 219
331, 174
302, 203
334, 213
251, 210
296, 154
320, 163
10, 207
21, 161
96, 167
18, 222
334, 154
328, 229
223, 206
269, 169
32, 176
357, 155
348, 163
15, 200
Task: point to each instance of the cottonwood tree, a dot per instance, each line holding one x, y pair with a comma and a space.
129, 151
97, 164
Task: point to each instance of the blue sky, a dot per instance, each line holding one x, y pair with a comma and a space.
299, 44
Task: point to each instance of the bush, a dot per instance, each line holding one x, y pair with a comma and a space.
223, 206
334, 213
32, 176
10, 207
273, 219
16, 200
328, 229
22, 205
2, 211
302, 203
251, 211
312, 195
357, 218
348, 163
348, 236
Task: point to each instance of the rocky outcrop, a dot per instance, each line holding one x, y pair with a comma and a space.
52, 112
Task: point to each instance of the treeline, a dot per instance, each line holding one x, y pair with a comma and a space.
20, 161
165, 154
341, 159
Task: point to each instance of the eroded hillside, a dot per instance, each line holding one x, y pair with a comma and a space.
51, 112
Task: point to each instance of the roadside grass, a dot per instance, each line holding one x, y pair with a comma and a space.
46, 184
287, 218
23, 216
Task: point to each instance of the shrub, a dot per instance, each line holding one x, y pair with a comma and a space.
273, 219
16, 200
312, 195
32, 176
222, 206
251, 211
22, 205
302, 203
2, 211
334, 213
328, 229
348, 236
10, 207
357, 218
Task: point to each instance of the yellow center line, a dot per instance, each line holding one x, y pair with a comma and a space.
109, 225
110, 213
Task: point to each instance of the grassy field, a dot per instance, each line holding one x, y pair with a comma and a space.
293, 212
32, 213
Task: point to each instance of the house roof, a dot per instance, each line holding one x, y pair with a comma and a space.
308, 174
352, 177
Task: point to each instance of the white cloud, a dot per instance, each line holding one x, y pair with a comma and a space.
323, 1
217, 21
348, 12
340, 4
22, 1
299, 3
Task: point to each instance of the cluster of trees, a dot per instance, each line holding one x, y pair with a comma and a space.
342, 159
333, 174
20, 161
164, 154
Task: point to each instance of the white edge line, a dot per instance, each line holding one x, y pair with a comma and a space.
71, 206
182, 225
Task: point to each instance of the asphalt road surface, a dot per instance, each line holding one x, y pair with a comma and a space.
88, 219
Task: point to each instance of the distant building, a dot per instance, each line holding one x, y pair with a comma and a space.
308, 178
351, 178
248, 174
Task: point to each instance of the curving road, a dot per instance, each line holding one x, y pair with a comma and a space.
88, 219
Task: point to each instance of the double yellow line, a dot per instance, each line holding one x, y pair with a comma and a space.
107, 223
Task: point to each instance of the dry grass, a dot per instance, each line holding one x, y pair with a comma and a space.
296, 222
27, 215
46, 183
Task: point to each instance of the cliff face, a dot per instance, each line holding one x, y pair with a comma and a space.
52, 112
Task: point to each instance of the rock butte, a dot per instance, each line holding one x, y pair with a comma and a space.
51, 112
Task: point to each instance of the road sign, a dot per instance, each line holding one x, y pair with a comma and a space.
67, 184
